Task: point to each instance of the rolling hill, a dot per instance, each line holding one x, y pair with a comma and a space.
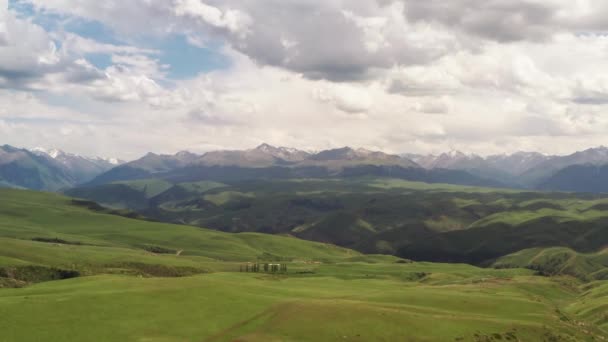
31, 215
559, 261
77, 271
420, 221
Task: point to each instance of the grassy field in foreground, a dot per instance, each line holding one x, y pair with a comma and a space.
133, 280
253, 307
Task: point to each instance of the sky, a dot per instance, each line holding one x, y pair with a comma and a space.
119, 78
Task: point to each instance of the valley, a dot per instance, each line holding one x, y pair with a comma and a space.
383, 247
303, 171
116, 287
419, 221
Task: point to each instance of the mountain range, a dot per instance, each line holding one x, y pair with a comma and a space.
370, 201
527, 170
268, 162
52, 170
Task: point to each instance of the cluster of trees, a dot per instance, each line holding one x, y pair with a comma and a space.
267, 268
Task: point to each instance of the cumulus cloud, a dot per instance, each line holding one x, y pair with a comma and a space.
56, 62
592, 90
343, 40
440, 105
27, 54
349, 99
519, 74
3, 20
34, 59
336, 40
422, 81
495, 19
234, 21
76, 44
340, 40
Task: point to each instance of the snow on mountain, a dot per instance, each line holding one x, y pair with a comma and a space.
78, 168
65, 157
518, 162
285, 153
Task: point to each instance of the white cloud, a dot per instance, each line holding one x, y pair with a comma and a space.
370, 35
524, 74
74, 43
438, 105
347, 98
233, 20
3, 20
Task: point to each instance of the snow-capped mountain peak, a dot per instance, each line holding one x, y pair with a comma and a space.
69, 158
285, 153
53, 153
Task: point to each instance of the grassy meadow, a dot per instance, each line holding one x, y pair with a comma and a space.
69, 273
419, 221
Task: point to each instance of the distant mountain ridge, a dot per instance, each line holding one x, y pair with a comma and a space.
523, 170
51, 170
67, 158
265, 156
530, 170
269, 162
515, 164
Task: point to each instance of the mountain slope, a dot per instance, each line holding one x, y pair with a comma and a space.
501, 168
28, 215
80, 169
530, 170
347, 156
545, 170
51, 171
262, 156
22, 168
578, 178
420, 221
559, 261
517, 163
267, 162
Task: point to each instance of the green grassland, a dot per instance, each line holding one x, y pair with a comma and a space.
150, 187
29, 215
428, 222
226, 306
71, 273
559, 260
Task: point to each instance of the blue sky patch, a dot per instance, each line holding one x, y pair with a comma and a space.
184, 59
99, 60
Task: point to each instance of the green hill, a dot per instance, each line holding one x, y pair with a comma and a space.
420, 221
559, 261
89, 275
27, 216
